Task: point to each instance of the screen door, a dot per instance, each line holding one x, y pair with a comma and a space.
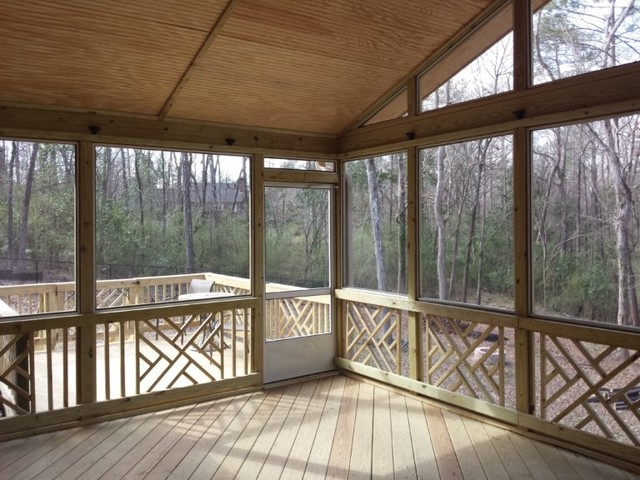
299, 332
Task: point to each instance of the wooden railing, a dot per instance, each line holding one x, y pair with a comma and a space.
159, 346
296, 316
32, 299
584, 381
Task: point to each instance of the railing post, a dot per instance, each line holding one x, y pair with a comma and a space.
85, 273
414, 323
257, 222
525, 363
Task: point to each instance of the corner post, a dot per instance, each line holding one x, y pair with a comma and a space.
257, 222
85, 272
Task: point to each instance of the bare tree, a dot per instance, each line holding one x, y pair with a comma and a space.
401, 163
136, 159
439, 211
26, 204
483, 147
374, 205
188, 218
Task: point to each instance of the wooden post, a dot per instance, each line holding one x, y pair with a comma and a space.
340, 246
257, 223
412, 97
521, 45
414, 321
523, 338
525, 364
85, 273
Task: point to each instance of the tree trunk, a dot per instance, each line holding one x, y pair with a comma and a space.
136, 160
483, 218
165, 181
125, 177
4, 185
106, 172
482, 157
26, 204
438, 208
401, 283
188, 219
627, 298
11, 241
374, 203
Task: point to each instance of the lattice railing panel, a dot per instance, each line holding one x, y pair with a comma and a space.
194, 349
297, 317
468, 358
113, 297
16, 378
375, 336
590, 387
37, 371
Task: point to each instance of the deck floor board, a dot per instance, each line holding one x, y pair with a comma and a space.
335, 427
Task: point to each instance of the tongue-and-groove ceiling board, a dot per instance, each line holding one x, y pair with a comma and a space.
307, 66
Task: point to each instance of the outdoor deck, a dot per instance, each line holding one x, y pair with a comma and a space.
335, 427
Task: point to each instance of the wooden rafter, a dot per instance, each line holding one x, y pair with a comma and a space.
197, 59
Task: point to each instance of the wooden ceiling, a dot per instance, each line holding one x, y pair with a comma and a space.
310, 66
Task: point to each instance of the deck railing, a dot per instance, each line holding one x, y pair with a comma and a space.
157, 345
43, 298
143, 340
583, 382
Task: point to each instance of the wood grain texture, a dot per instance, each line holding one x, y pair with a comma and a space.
578, 98
265, 65
334, 427
97, 58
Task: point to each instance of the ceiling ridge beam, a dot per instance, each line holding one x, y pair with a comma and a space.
195, 63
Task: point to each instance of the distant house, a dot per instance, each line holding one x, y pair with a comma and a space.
227, 196
223, 196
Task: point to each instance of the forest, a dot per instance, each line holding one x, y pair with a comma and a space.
584, 214
161, 212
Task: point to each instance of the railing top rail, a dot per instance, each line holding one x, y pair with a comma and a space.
122, 282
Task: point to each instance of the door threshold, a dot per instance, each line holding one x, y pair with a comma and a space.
305, 378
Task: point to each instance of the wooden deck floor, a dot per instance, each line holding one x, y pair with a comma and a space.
336, 427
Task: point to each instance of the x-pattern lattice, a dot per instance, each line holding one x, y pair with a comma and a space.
374, 336
591, 387
18, 382
187, 349
461, 358
113, 297
294, 317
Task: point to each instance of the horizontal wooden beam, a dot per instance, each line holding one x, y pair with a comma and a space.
23, 425
300, 176
586, 332
435, 393
104, 128
459, 312
32, 323
605, 450
608, 92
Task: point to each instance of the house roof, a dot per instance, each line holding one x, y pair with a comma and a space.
314, 66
